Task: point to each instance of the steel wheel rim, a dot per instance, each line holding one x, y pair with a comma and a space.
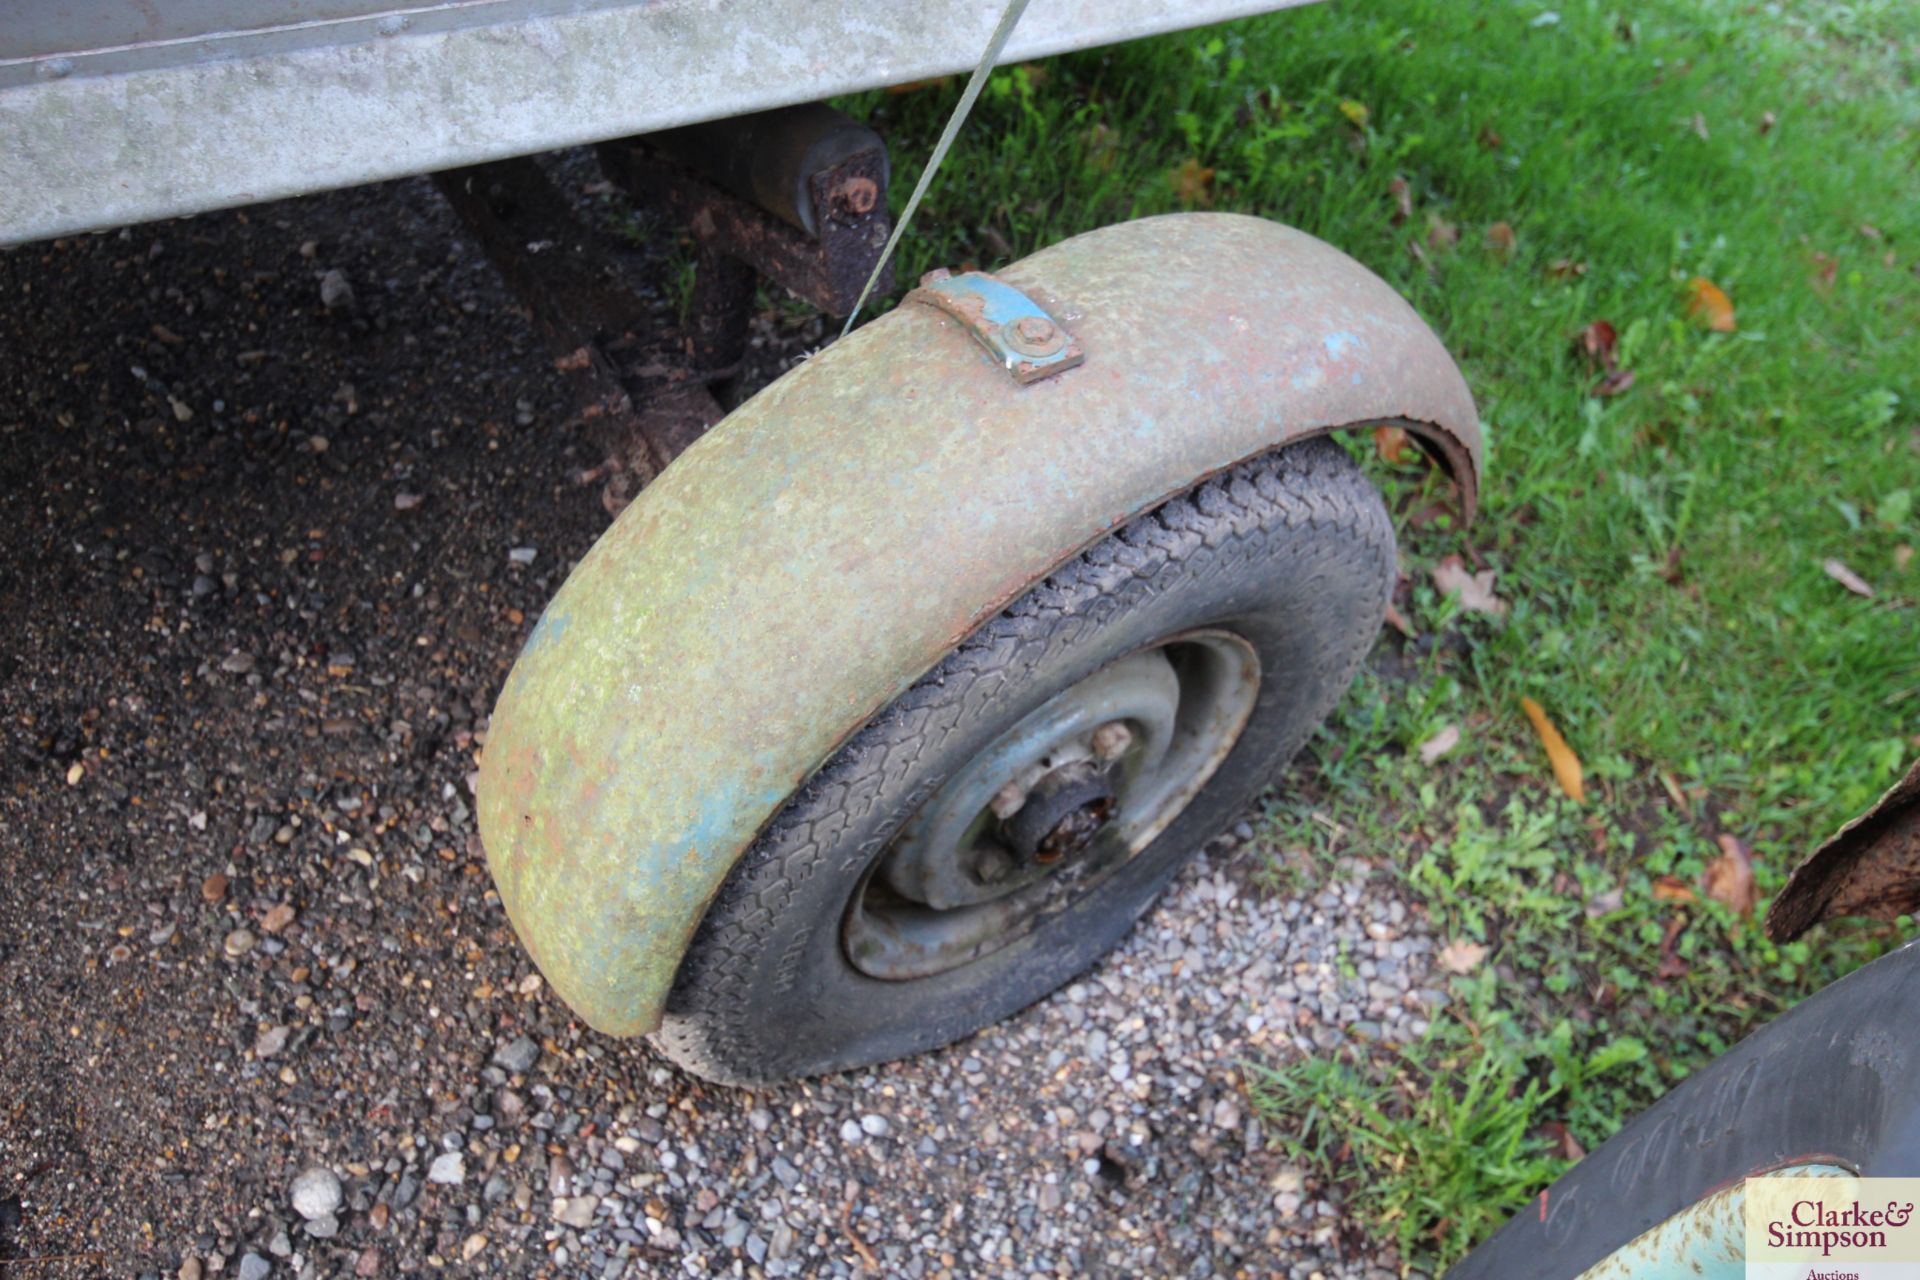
932, 901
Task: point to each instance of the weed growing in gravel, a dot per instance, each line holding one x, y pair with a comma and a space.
1661, 497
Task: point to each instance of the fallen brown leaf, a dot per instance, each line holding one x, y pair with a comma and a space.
1390, 443
1441, 234
1501, 240
1599, 342
1614, 383
1439, 744
1475, 589
1672, 889
1489, 137
1729, 878
1192, 182
1602, 904
1671, 965
1709, 304
1846, 577
1398, 621
1767, 119
1565, 269
1566, 765
1402, 196
1562, 1141
1826, 268
1461, 956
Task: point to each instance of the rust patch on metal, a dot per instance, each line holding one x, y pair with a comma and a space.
1870, 867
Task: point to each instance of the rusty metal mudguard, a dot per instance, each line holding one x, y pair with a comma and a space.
831, 540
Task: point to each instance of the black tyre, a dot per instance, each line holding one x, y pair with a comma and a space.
1000, 826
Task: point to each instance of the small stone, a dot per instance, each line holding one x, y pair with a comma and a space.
237, 663
324, 1227
254, 1267
472, 1247
368, 1264
277, 918
404, 501
1050, 1197
875, 1126
239, 942
761, 1119
214, 887
449, 1169
316, 1193
850, 1131
518, 1056
190, 1268
335, 292
577, 1212
271, 1041
523, 555
1226, 1114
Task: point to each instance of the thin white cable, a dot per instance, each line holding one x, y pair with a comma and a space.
967, 96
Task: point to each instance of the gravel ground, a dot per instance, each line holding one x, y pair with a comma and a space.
281, 491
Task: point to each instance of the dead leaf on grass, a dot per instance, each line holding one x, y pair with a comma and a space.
1709, 304
1613, 384
1461, 956
1402, 199
1566, 765
1501, 240
1398, 621
1846, 577
1605, 904
1600, 343
1439, 744
1441, 234
1767, 119
1475, 589
1192, 183
1672, 889
1728, 878
1565, 269
1561, 1140
1671, 965
1390, 443
1356, 112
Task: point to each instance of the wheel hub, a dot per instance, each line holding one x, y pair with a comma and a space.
1062, 814
1053, 806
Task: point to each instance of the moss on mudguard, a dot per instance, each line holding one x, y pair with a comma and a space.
836, 536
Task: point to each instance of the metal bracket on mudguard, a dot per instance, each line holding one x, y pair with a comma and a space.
1016, 331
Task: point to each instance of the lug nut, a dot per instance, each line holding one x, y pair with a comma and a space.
1111, 740
1007, 801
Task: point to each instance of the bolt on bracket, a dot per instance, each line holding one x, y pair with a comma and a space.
1015, 330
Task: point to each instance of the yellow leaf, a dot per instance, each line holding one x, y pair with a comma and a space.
1708, 304
1192, 182
1354, 111
1566, 765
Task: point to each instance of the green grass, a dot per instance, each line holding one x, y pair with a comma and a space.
1661, 549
